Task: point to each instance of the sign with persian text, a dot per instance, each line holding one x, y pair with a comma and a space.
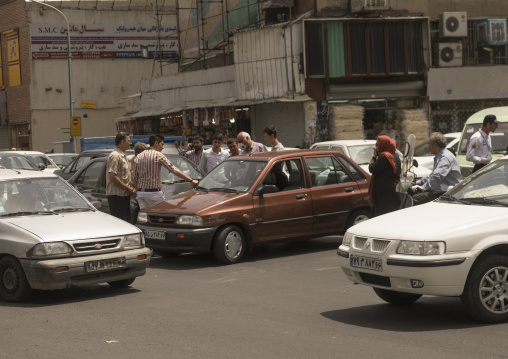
102, 41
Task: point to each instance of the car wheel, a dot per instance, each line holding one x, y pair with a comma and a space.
13, 284
357, 216
485, 295
229, 245
122, 283
398, 298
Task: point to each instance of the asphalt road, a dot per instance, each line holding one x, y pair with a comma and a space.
284, 301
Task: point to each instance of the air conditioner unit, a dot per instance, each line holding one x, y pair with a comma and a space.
491, 32
450, 54
453, 24
369, 5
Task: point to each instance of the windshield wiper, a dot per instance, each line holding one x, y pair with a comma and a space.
72, 209
201, 188
450, 198
487, 201
171, 182
26, 213
222, 189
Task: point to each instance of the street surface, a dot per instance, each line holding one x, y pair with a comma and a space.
284, 301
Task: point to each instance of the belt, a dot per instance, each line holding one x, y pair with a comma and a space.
149, 189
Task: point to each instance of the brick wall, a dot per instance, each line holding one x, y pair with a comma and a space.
12, 16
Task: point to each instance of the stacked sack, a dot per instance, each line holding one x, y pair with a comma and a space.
346, 122
413, 122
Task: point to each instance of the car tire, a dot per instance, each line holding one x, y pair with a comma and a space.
14, 286
485, 296
121, 283
357, 216
229, 245
397, 298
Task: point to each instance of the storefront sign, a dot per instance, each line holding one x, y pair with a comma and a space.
102, 41
89, 104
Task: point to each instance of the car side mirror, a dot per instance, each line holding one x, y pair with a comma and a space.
268, 188
41, 167
415, 163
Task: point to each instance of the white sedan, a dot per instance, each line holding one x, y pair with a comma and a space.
461, 250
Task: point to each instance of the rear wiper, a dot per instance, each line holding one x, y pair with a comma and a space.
483, 200
223, 189
450, 198
201, 188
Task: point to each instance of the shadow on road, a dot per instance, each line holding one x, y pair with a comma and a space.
43, 298
428, 314
187, 261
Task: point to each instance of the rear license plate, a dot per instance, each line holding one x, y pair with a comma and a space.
365, 262
105, 264
155, 235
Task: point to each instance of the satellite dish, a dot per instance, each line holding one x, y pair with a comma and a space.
452, 24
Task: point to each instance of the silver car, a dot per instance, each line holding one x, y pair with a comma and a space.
51, 237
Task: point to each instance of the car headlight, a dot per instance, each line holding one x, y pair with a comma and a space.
346, 240
142, 217
421, 248
133, 241
186, 220
51, 249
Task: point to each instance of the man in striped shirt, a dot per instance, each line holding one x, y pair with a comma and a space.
147, 173
194, 150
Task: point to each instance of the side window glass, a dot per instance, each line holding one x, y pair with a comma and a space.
91, 175
342, 175
322, 171
285, 175
339, 148
351, 169
80, 163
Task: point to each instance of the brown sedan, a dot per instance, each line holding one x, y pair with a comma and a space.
263, 198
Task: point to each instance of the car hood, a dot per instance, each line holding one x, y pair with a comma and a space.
436, 221
71, 226
192, 202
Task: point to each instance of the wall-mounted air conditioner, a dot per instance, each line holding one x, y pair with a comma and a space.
450, 54
491, 32
453, 24
369, 5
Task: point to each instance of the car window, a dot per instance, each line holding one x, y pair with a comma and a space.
339, 148
80, 162
183, 164
320, 147
361, 154
237, 175
16, 162
90, 176
357, 175
286, 175
326, 171
41, 159
499, 138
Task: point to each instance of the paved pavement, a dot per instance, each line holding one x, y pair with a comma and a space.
284, 301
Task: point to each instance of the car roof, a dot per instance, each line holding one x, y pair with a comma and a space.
62, 154
500, 112
13, 174
281, 154
346, 142
22, 152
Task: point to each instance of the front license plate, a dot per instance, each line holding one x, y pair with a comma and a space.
105, 264
155, 235
366, 263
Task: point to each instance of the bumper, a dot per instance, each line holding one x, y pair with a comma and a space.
444, 276
194, 239
41, 274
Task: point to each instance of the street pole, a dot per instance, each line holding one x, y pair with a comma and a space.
69, 64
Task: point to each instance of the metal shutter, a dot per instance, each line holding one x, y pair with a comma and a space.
288, 118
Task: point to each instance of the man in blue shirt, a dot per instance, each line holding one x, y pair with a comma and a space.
446, 172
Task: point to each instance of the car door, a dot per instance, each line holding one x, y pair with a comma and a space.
286, 213
334, 193
88, 183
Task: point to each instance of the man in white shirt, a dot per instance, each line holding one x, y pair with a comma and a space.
215, 155
480, 144
270, 135
390, 132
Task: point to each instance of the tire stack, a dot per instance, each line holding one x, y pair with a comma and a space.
413, 122
346, 122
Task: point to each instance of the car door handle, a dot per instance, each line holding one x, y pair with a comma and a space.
300, 196
348, 189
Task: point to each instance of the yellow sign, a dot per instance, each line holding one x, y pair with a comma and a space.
75, 126
88, 104
13, 62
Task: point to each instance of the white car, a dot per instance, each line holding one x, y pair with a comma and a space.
51, 237
361, 151
39, 159
422, 153
461, 248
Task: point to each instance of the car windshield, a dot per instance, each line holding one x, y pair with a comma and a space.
361, 154
183, 164
422, 150
488, 186
39, 196
499, 138
236, 175
41, 159
16, 162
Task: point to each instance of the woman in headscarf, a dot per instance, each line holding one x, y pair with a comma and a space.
385, 168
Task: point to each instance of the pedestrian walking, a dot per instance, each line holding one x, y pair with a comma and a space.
194, 150
248, 146
213, 156
147, 173
119, 179
480, 144
270, 135
385, 168
446, 172
233, 147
